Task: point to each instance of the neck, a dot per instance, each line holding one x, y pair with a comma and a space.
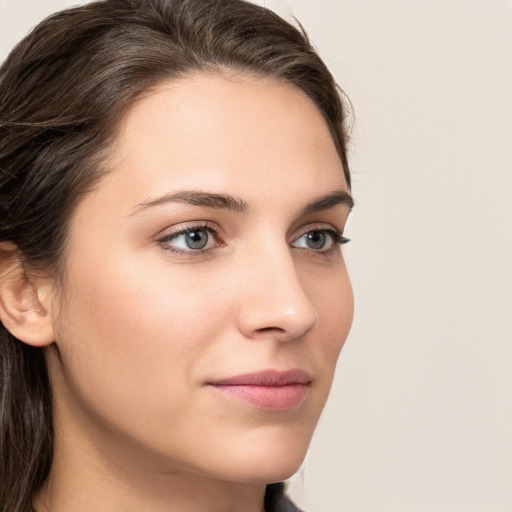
90, 472
87, 484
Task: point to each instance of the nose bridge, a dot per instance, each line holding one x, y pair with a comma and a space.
274, 300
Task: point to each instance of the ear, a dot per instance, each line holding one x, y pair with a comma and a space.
24, 302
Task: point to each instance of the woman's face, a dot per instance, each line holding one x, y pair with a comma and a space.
206, 298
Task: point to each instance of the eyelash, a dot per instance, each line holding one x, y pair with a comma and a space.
335, 236
205, 226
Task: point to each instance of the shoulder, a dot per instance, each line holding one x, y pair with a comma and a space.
277, 501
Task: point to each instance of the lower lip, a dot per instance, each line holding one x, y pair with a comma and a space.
270, 398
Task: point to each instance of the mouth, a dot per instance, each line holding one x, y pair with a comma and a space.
271, 390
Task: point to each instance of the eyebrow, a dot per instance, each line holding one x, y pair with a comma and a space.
328, 201
238, 205
197, 198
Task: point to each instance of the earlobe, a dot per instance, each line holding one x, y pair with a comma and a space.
21, 310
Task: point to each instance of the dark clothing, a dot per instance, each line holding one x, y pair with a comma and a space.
277, 501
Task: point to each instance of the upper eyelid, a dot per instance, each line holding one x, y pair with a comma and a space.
316, 226
213, 228
188, 226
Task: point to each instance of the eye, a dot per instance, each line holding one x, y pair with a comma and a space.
191, 239
321, 240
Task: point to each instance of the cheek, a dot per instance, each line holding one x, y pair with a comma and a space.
339, 310
135, 334
334, 301
129, 301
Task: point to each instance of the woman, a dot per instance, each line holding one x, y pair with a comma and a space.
173, 194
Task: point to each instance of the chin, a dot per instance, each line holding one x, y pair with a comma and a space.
266, 472
277, 471
263, 462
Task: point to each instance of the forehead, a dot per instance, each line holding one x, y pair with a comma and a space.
228, 134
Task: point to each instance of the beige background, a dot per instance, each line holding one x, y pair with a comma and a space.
420, 417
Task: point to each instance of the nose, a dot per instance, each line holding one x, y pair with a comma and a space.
273, 301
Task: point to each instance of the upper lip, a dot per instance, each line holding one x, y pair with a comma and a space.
266, 378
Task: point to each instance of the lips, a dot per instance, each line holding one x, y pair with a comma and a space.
270, 390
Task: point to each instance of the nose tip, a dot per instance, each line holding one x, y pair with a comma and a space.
277, 306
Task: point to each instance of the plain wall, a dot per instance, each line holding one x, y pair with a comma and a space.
420, 416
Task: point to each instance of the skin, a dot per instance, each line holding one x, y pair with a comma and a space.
139, 329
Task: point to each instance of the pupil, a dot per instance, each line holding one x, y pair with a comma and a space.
196, 239
316, 240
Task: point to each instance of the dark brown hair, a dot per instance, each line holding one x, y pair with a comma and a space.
63, 90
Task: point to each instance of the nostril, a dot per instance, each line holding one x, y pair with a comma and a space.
270, 329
